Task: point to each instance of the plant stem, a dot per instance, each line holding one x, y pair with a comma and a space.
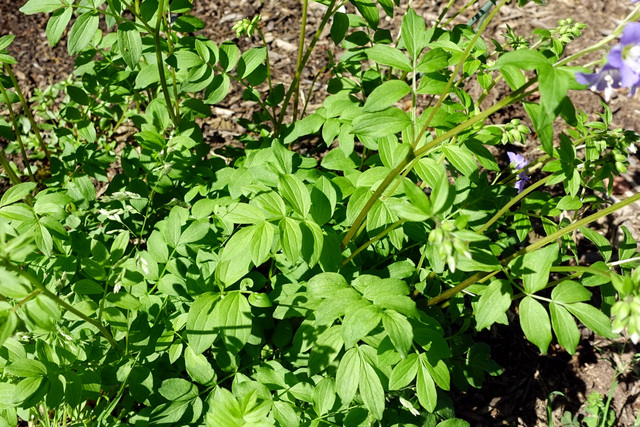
7, 168
296, 78
633, 16
373, 240
174, 79
580, 269
536, 245
513, 202
160, 63
303, 30
36, 283
27, 112
447, 89
412, 157
16, 131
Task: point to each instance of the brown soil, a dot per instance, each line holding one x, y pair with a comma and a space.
518, 397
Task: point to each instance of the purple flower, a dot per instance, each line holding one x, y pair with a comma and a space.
635, 1
622, 67
607, 79
519, 162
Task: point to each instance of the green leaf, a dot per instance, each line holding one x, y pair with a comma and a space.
17, 192
28, 388
173, 228
434, 60
425, 387
339, 27
261, 242
404, 372
554, 85
440, 373
200, 322
535, 323
18, 212
524, 59
399, 330
130, 44
198, 368
87, 287
347, 376
260, 300
290, 238
569, 292
325, 349
381, 123
564, 327
6, 40
461, 158
232, 315
197, 230
441, 199
8, 324
569, 203
295, 193
42, 6
243, 213
493, 303
285, 414
522, 225
368, 10
57, 24
592, 318
250, 60
26, 368
535, 267
82, 32
600, 241
432, 84
387, 55
272, 205
414, 33
371, 389
178, 390
324, 396
228, 55
453, 422
385, 95
359, 323
217, 89
628, 247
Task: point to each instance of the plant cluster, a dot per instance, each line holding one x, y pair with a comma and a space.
158, 284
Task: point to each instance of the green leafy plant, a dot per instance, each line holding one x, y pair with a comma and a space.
162, 285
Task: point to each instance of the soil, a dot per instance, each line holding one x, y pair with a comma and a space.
519, 396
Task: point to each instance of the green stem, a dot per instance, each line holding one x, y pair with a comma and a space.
300, 66
374, 197
536, 245
16, 131
512, 202
373, 240
413, 157
160, 62
36, 283
303, 30
313, 82
633, 16
7, 168
27, 111
174, 79
459, 66
580, 269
